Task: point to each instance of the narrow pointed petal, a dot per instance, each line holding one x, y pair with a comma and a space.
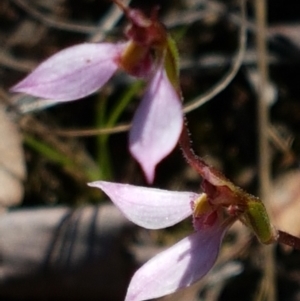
148, 207
156, 125
72, 73
177, 267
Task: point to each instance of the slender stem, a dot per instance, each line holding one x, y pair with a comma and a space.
267, 290
196, 162
123, 102
289, 239
263, 108
186, 147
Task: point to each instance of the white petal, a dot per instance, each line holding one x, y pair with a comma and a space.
177, 267
148, 207
72, 73
156, 125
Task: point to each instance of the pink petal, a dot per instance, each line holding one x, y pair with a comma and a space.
72, 73
156, 125
148, 207
177, 267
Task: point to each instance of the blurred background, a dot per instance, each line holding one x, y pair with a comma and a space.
61, 240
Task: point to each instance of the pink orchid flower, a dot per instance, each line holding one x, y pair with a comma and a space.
213, 212
149, 53
185, 262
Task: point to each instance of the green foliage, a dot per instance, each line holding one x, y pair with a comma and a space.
106, 119
172, 62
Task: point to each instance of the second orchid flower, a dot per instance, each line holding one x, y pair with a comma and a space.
150, 54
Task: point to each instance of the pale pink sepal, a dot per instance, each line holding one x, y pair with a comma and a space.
156, 125
179, 266
149, 207
72, 73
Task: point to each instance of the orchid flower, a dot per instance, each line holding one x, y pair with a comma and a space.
185, 262
149, 54
190, 259
213, 211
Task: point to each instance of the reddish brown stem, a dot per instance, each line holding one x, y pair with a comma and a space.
193, 160
186, 146
288, 239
